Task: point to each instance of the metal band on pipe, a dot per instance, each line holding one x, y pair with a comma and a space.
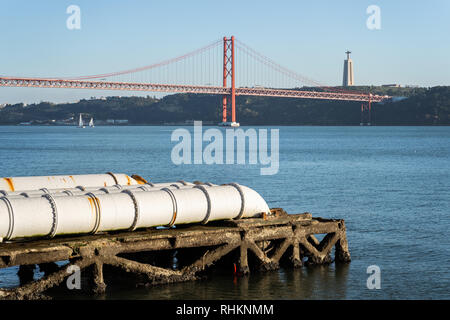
3, 192
143, 188
113, 176
80, 188
68, 192
174, 203
136, 209
98, 214
182, 182
45, 190
208, 199
11, 218
175, 185
150, 184
105, 190
26, 195
238, 187
50, 199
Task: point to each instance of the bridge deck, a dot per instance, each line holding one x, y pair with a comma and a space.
176, 88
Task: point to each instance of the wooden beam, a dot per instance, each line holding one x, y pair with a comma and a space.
137, 267
99, 283
34, 289
281, 250
210, 257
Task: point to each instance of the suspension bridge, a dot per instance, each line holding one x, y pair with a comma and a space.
226, 67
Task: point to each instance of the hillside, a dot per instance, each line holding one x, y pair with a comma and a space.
422, 106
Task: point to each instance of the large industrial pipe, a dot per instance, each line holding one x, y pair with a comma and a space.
48, 216
109, 189
57, 182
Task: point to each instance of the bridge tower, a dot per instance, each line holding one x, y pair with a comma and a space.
366, 110
229, 72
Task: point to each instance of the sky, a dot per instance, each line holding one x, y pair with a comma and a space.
310, 37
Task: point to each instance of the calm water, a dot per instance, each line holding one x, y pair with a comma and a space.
390, 184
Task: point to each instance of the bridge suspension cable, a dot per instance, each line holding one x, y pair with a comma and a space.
231, 70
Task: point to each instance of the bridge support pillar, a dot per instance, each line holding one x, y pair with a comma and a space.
233, 87
225, 75
366, 116
229, 71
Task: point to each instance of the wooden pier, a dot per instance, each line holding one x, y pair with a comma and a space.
177, 254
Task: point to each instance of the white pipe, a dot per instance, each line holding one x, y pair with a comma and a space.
116, 211
25, 217
48, 215
71, 181
253, 203
154, 208
82, 190
224, 199
191, 205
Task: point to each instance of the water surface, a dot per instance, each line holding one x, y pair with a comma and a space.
390, 184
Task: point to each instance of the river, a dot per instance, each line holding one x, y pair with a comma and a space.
390, 184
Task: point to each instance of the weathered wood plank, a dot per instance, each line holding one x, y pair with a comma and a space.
33, 289
210, 257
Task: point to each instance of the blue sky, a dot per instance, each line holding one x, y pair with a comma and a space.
310, 37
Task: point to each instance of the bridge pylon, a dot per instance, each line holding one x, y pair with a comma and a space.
229, 72
366, 110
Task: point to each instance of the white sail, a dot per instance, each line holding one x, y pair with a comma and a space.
80, 122
91, 123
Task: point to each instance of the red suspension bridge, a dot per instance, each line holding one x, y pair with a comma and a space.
212, 69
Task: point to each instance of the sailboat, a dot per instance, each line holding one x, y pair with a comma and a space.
80, 122
91, 123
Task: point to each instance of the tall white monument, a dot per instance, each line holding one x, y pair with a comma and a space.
348, 79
